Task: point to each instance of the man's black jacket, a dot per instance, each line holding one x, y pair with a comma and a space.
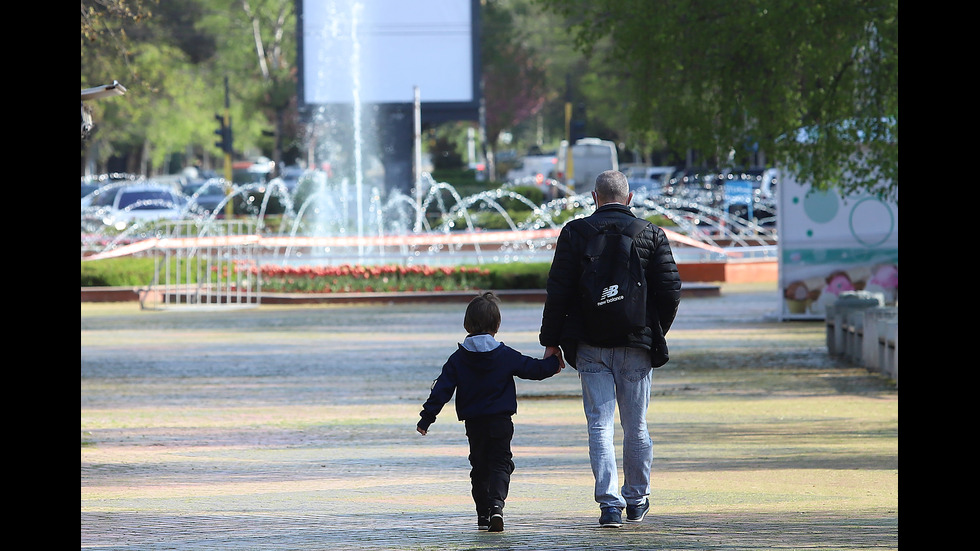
561, 321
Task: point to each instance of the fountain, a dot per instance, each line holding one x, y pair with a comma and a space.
324, 223
363, 210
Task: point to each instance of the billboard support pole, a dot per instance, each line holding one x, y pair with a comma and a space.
418, 160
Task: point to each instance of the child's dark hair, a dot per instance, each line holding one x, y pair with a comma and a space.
482, 314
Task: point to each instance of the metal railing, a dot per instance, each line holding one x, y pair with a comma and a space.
205, 266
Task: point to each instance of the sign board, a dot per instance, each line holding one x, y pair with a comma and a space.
378, 51
829, 244
739, 192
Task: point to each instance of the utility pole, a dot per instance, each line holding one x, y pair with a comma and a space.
569, 158
417, 111
225, 144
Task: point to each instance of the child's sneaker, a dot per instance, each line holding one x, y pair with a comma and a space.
496, 519
482, 522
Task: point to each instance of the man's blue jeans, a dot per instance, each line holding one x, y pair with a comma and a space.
622, 376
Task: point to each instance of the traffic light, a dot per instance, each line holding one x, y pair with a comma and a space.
577, 124
224, 131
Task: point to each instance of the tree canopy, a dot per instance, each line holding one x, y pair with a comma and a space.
812, 84
173, 58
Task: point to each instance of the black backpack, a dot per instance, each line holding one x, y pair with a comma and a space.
613, 287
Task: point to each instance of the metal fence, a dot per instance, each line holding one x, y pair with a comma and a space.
205, 266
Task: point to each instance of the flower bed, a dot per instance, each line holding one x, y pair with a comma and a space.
348, 278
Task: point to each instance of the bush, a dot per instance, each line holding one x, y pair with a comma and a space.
531, 275
531, 193
490, 219
118, 272
139, 271
463, 180
661, 220
354, 278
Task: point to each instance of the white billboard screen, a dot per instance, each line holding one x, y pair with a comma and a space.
378, 51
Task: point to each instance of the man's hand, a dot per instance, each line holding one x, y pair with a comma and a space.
421, 431
553, 350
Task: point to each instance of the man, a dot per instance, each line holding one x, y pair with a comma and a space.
619, 374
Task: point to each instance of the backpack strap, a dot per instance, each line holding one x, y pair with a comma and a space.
636, 227
585, 228
587, 231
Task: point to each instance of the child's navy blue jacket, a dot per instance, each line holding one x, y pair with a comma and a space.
483, 382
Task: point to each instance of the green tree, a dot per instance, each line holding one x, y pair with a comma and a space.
570, 76
173, 58
104, 36
256, 50
514, 87
813, 85
166, 109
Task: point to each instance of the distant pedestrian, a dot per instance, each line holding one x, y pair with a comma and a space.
481, 373
613, 368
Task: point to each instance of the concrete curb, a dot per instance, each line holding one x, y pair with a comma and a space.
132, 294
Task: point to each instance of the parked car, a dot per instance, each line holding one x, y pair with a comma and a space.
649, 179
291, 176
88, 193
254, 179
204, 196
121, 206
89, 187
254, 187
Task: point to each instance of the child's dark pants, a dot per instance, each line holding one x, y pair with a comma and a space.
491, 459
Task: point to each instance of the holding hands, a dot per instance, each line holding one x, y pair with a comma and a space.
553, 350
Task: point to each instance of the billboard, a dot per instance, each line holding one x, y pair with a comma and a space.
377, 52
829, 244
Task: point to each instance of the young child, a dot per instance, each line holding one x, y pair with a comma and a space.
481, 373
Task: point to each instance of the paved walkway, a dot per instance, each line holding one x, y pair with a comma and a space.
292, 427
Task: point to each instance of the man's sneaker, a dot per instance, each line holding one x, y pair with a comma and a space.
482, 522
635, 513
611, 517
496, 520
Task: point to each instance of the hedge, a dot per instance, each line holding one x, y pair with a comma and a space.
139, 271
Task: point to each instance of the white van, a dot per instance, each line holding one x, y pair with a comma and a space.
534, 166
536, 170
590, 156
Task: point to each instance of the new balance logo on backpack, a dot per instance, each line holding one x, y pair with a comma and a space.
608, 293
612, 286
